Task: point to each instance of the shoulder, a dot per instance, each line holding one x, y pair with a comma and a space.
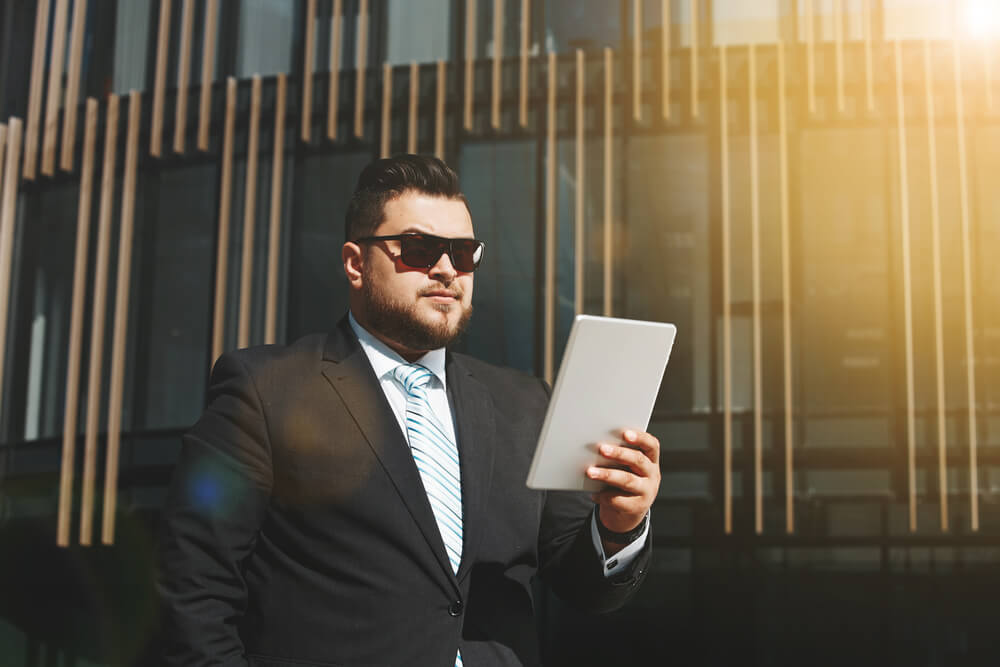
264, 361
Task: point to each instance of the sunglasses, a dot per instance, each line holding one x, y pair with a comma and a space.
422, 251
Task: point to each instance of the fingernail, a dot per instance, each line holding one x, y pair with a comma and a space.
630, 435
591, 472
607, 449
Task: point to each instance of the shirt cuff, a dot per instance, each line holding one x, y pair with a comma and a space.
621, 560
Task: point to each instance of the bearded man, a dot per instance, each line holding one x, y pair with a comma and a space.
358, 497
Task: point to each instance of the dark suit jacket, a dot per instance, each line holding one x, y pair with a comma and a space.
297, 530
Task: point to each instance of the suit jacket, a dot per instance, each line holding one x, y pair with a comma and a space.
297, 530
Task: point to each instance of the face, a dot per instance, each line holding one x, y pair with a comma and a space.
411, 310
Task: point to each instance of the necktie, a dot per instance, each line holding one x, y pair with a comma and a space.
436, 456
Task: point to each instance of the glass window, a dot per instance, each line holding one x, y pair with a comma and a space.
418, 31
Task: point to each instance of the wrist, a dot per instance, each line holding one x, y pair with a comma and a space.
619, 537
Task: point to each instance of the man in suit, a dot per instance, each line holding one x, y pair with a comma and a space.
359, 497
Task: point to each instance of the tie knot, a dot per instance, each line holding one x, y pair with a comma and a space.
413, 377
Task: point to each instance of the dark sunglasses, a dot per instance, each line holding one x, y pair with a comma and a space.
422, 251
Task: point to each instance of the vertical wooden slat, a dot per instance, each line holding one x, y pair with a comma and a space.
578, 209
497, 63
35, 90
183, 75
758, 404
970, 356
8, 220
987, 72
665, 57
442, 83
308, 61
225, 205
362, 66
274, 232
936, 277
54, 96
336, 37
414, 108
386, 134
470, 59
207, 72
98, 310
122, 290
608, 166
786, 290
838, 35
522, 108
811, 55
71, 406
160, 80
637, 60
904, 212
695, 105
550, 219
727, 327
249, 216
73, 84
869, 75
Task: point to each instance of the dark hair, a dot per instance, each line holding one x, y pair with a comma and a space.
384, 180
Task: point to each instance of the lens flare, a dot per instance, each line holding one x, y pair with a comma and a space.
981, 18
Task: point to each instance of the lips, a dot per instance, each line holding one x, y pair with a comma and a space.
442, 293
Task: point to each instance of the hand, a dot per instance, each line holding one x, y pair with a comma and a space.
633, 478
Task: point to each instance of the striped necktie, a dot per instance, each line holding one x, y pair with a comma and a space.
436, 456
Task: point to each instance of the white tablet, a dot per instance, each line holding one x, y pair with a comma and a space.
608, 381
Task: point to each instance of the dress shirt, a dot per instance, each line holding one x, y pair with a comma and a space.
384, 361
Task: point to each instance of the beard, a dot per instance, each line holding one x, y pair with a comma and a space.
402, 323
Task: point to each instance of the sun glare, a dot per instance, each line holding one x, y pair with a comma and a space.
981, 18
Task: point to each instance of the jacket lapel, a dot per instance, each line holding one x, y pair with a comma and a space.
350, 373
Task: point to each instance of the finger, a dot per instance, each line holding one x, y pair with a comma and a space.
620, 479
646, 442
621, 503
636, 460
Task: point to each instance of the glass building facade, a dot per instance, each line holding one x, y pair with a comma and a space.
802, 186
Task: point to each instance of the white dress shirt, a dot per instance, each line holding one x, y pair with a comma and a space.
384, 361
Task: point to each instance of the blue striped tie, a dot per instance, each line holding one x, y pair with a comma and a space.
436, 456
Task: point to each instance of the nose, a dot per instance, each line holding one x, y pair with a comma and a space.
443, 270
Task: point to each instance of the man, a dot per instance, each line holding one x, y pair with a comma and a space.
359, 498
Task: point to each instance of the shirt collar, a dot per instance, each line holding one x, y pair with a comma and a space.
385, 360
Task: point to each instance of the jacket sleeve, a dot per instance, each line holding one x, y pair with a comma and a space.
213, 512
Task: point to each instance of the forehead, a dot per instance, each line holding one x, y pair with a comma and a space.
418, 212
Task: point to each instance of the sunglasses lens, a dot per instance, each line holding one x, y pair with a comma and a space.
420, 252
467, 254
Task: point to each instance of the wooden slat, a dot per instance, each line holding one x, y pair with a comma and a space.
160, 80
385, 137
8, 220
35, 90
207, 72
665, 57
904, 213
222, 242
936, 279
73, 84
274, 232
811, 55
786, 290
119, 339
869, 76
608, 168
97, 317
470, 60
695, 104
414, 109
75, 342
987, 72
308, 61
54, 96
336, 44
497, 63
550, 220
442, 84
970, 353
362, 61
758, 384
249, 215
578, 210
637, 60
838, 36
727, 319
522, 106
183, 76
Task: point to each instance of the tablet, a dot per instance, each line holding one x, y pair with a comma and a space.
608, 381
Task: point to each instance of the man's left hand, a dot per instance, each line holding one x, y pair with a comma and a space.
632, 474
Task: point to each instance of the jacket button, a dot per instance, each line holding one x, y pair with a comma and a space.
455, 608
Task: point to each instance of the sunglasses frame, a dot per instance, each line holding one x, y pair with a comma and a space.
441, 240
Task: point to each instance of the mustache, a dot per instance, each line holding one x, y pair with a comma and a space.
455, 293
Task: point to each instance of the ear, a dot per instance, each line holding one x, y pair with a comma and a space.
353, 257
